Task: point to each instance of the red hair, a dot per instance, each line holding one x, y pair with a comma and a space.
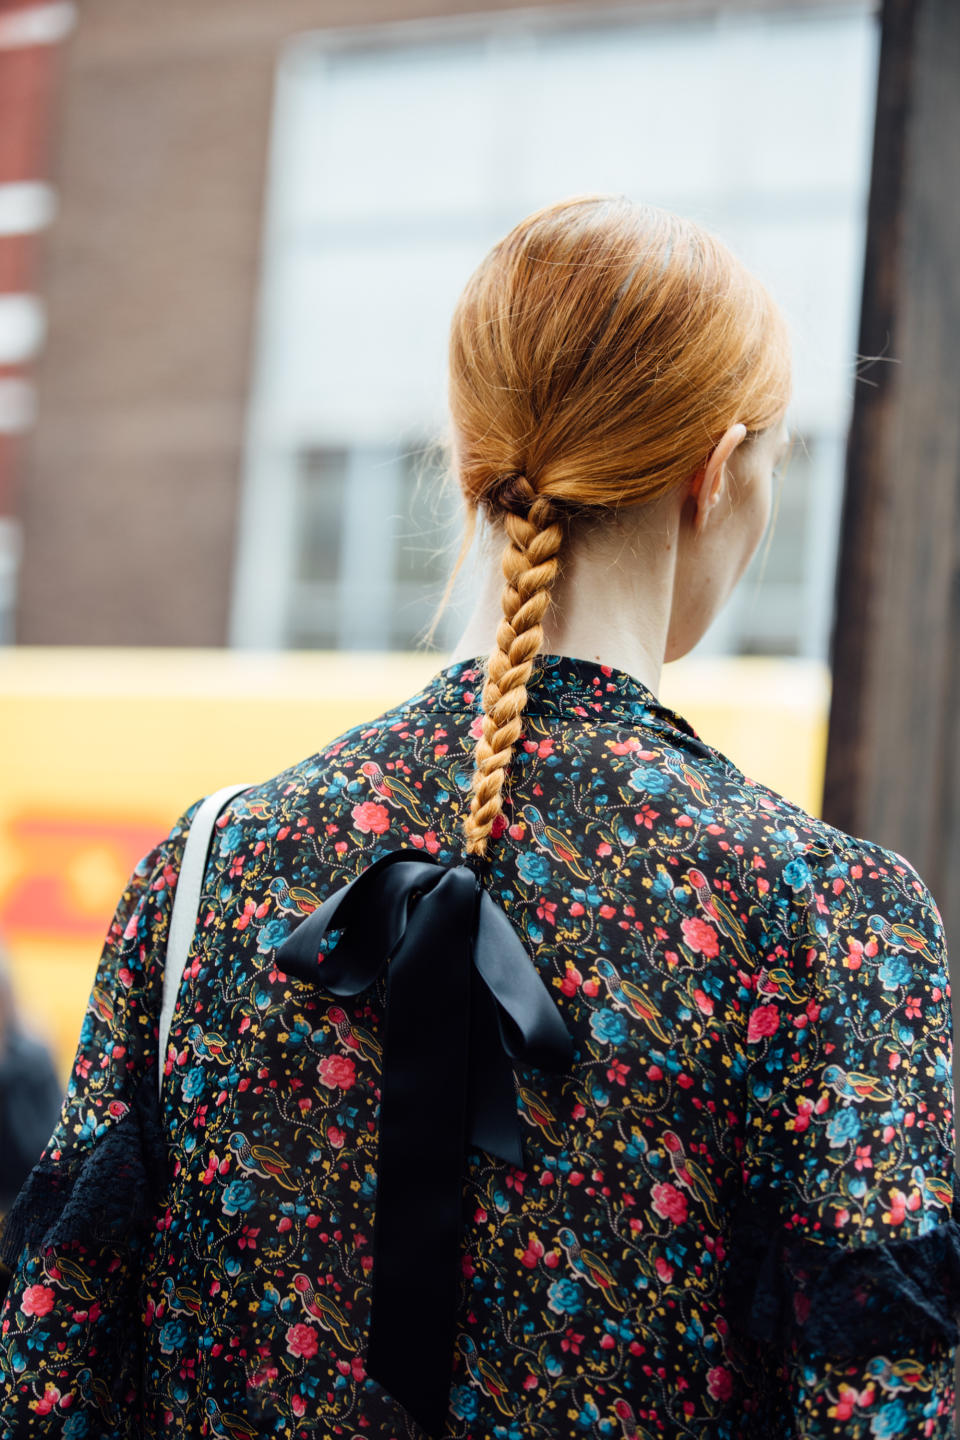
597, 355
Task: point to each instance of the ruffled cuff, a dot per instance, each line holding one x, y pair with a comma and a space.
845, 1301
103, 1196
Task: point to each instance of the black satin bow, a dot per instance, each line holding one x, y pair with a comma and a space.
463, 1001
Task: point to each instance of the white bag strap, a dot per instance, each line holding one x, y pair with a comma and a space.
186, 901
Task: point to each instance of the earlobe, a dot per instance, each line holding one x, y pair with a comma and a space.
710, 481
708, 500
697, 497
707, 489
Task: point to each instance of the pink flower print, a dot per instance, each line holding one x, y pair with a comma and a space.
669, 1202
369, 816
37, 1300
801, 1120
700, 937
763, 1021
898, 1208
664, 1269
854, 958
337, 1072
302, 1340
48, 1400
719, 1383
532, 1254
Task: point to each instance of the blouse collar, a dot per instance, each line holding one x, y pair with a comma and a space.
565, 687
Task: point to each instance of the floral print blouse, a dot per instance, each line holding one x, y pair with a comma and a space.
736, 1213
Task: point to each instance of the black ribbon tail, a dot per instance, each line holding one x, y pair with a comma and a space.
463, 1002
492, 1093
531, 1027
422, 1140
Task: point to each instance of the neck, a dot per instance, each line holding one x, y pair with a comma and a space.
611, 603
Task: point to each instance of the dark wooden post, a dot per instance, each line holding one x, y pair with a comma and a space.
893, 758
893, 753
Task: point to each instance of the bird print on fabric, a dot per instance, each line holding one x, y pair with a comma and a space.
719, 912
553, 842
691, 1176
484, 1375
592, 1269
292, 900
901, 937
210, 1046
261, 1160
631, 999
318, 1306
353, 1038
394, 791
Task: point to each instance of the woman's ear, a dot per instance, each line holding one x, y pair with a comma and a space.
708, 483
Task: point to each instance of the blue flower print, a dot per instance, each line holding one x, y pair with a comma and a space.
650, 781
892, 1421
534, 868
844, 1127
565, 1297
229, 838
895, 971
173, 1336
797, 874
271, 935
193, 1083
588, 1416
609, 1027
239, 1196
463, 1403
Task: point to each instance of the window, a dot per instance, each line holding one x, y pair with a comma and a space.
375, 529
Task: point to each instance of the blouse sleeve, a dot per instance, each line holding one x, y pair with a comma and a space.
69, 1244
845, 1252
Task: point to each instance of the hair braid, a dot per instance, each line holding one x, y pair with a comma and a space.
530, 567
602, 349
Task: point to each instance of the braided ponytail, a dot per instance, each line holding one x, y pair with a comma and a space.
530, 567
601, 348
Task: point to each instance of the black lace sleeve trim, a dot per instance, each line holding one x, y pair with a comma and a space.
104, 1196
846, 1301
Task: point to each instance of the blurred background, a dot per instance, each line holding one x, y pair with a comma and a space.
231, 237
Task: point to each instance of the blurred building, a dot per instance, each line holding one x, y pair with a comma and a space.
264, 221
30, 40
